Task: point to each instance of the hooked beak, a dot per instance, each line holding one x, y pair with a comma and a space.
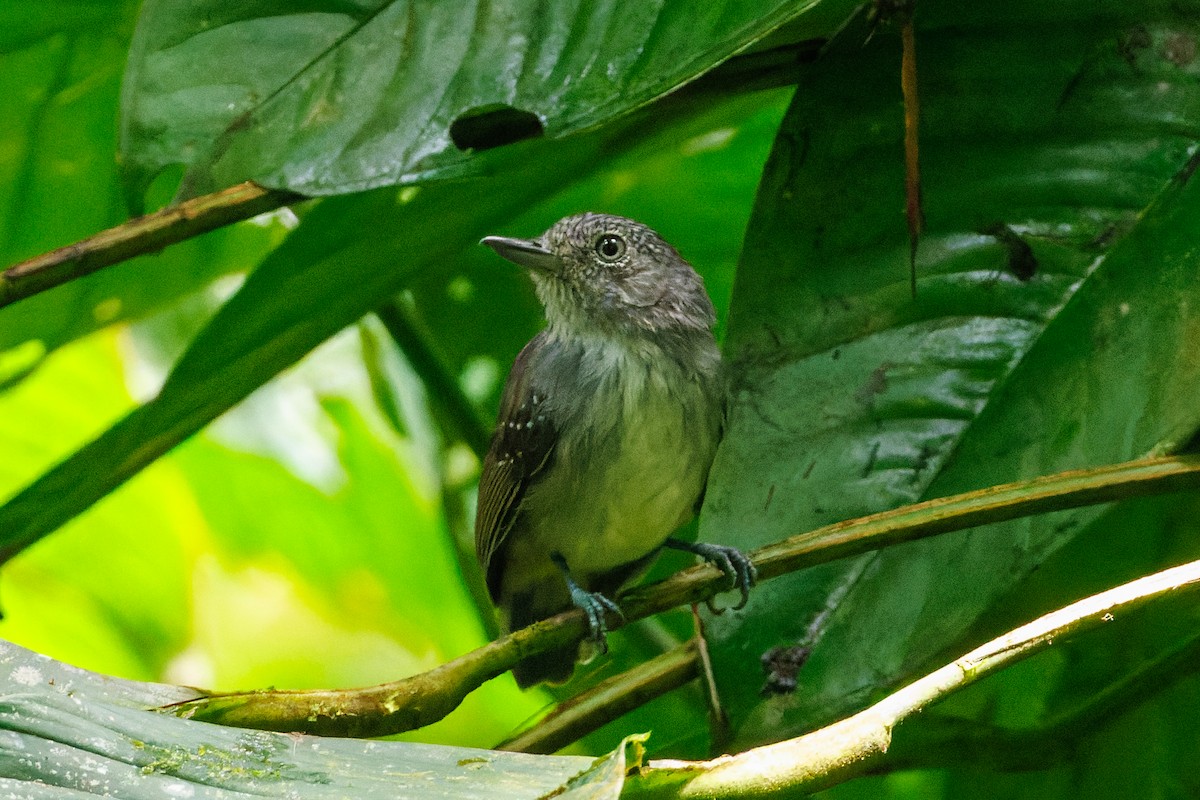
526, 252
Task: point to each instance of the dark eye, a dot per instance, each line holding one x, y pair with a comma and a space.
610, 247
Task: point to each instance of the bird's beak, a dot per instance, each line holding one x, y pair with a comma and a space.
526, 252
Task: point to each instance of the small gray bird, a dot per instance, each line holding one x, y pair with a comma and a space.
608, 426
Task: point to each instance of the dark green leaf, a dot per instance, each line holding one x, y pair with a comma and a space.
60, 70
852, 398
330, 97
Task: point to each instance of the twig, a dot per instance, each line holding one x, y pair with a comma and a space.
913, 210
423, 699
607, 701
718, 721
146, 234
852, 746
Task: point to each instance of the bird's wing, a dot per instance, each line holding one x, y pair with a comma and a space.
521, 448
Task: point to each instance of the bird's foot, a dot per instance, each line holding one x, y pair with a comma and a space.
593, 604
732, 562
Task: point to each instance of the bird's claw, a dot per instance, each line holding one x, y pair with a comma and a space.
734, 564
594, 605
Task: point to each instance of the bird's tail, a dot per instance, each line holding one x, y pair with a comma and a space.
540, 601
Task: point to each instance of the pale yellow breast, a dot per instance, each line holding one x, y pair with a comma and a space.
644, 488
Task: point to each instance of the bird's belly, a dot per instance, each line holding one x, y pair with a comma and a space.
629, 500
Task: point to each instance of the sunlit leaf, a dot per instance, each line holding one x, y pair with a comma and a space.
70, 733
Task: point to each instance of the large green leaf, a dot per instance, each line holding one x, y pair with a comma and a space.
60, 71
61, 599
72, 734
1078, 130
333, 97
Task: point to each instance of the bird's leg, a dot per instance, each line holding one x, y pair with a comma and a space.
593, 604
732, 562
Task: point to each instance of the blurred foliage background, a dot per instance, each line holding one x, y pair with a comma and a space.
315, 532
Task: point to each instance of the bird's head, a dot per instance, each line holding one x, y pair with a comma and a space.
610, 276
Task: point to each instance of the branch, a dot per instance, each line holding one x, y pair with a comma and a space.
423, 699
954, 741
146, 234
852, 746
608, 700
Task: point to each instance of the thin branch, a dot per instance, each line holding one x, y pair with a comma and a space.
718, 720
852, 746
593, 708
607, 701
938, 744
146, 234
955, 741
423, 699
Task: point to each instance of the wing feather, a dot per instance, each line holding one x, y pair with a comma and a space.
521, 449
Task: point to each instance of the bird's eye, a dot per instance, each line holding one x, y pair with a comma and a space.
610, 247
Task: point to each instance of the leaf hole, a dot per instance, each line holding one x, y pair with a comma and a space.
485, 127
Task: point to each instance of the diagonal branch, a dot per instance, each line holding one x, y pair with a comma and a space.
852, 746
954, 741
146, 234
575, 718
423, 699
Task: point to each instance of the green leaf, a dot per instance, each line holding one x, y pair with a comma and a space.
60, 75
331, 98
71, 734
851, 398
63, 599
60, 69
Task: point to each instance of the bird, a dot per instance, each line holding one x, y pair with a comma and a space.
608, 425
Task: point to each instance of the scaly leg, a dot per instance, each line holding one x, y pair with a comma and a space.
737, 567
593, 604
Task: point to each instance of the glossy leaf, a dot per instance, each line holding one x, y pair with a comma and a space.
60, 70
330, 98
850, 397
71, 734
